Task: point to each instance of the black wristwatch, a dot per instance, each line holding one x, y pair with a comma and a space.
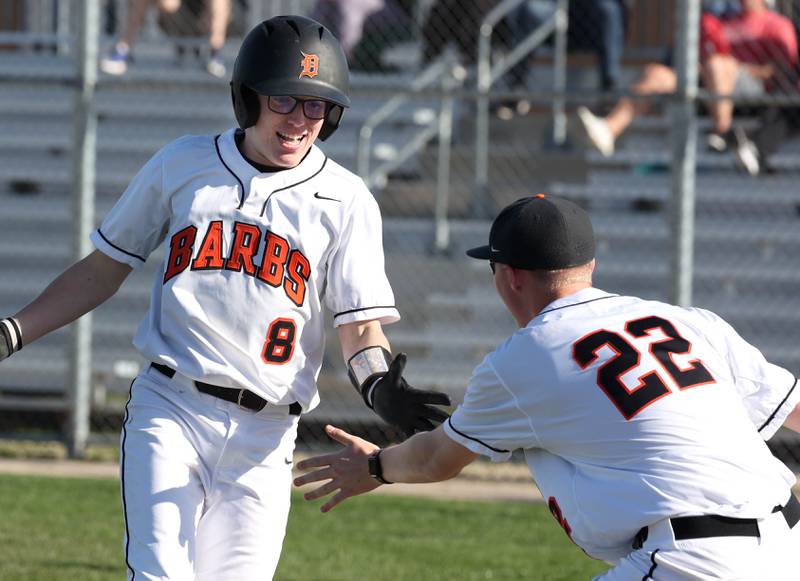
375, 468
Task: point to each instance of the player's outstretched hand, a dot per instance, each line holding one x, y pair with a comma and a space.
409, 409
345, 470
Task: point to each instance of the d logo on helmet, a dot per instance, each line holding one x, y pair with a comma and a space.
310, 64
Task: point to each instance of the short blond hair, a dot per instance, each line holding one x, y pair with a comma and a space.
553, 280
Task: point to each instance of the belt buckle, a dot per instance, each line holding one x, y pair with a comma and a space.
239, 398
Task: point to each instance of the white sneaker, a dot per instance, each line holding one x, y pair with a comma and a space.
746, 153
597, 131
716, 142
116, 62
216, 67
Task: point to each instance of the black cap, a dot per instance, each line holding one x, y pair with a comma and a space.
539, 233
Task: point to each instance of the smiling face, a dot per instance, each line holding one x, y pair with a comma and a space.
280, 140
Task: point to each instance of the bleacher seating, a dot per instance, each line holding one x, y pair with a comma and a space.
746, 264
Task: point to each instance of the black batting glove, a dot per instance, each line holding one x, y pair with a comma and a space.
404, 407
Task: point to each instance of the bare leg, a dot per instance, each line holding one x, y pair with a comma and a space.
219, 15
655, 79
137, 9
719, 75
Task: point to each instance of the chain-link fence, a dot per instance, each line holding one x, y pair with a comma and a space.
449, 123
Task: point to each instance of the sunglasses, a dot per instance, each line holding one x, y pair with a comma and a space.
492, 266
312, 108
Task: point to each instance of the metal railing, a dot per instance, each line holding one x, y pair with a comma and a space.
489, 73
449, 74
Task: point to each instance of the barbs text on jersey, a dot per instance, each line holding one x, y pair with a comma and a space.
281, 265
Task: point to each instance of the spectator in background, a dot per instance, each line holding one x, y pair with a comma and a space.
721, 8
776, 124
748, 54
753, 153
218, 15
594, 25
365, 27
457, 22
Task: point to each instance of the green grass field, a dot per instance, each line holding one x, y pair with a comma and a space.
54, 529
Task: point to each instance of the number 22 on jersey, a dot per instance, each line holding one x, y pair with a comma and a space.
651, 386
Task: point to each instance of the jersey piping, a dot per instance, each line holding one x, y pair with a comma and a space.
363, 309
131, 254
219, 155
653, 568
576, 304
264, 207
241, 183
122, 479
481, 442
780, 405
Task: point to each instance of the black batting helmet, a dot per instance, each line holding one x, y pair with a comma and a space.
290, 55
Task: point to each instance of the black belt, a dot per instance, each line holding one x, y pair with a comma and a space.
711, 525
243, 397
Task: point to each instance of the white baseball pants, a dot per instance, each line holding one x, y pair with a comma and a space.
771, 557
205, 484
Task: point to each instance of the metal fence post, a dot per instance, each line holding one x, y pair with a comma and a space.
83, 168
484, 83
684, 150
560, 72
455, 75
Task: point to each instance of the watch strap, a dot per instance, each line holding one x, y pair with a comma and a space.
376, 468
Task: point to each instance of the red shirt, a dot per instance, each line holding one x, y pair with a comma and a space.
761, 38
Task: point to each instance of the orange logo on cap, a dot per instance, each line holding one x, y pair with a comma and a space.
310, 64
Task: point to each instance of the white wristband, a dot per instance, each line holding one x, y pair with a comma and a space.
12, 332
368, 362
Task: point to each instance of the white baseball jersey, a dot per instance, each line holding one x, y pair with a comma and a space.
266, 248
629, 411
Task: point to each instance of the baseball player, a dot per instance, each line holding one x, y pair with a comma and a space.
260, 229
642, 423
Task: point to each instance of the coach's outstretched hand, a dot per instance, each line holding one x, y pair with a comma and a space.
345, 470
409, 409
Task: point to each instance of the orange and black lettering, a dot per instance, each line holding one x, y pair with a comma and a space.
279, 346
209, 257
297, 273
555, 510
180, 251
632, 399
246, 239
272, 266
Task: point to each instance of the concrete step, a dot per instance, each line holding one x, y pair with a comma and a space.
651, 159
710, 194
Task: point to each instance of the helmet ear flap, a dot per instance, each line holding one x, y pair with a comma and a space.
332, 120
246, 105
